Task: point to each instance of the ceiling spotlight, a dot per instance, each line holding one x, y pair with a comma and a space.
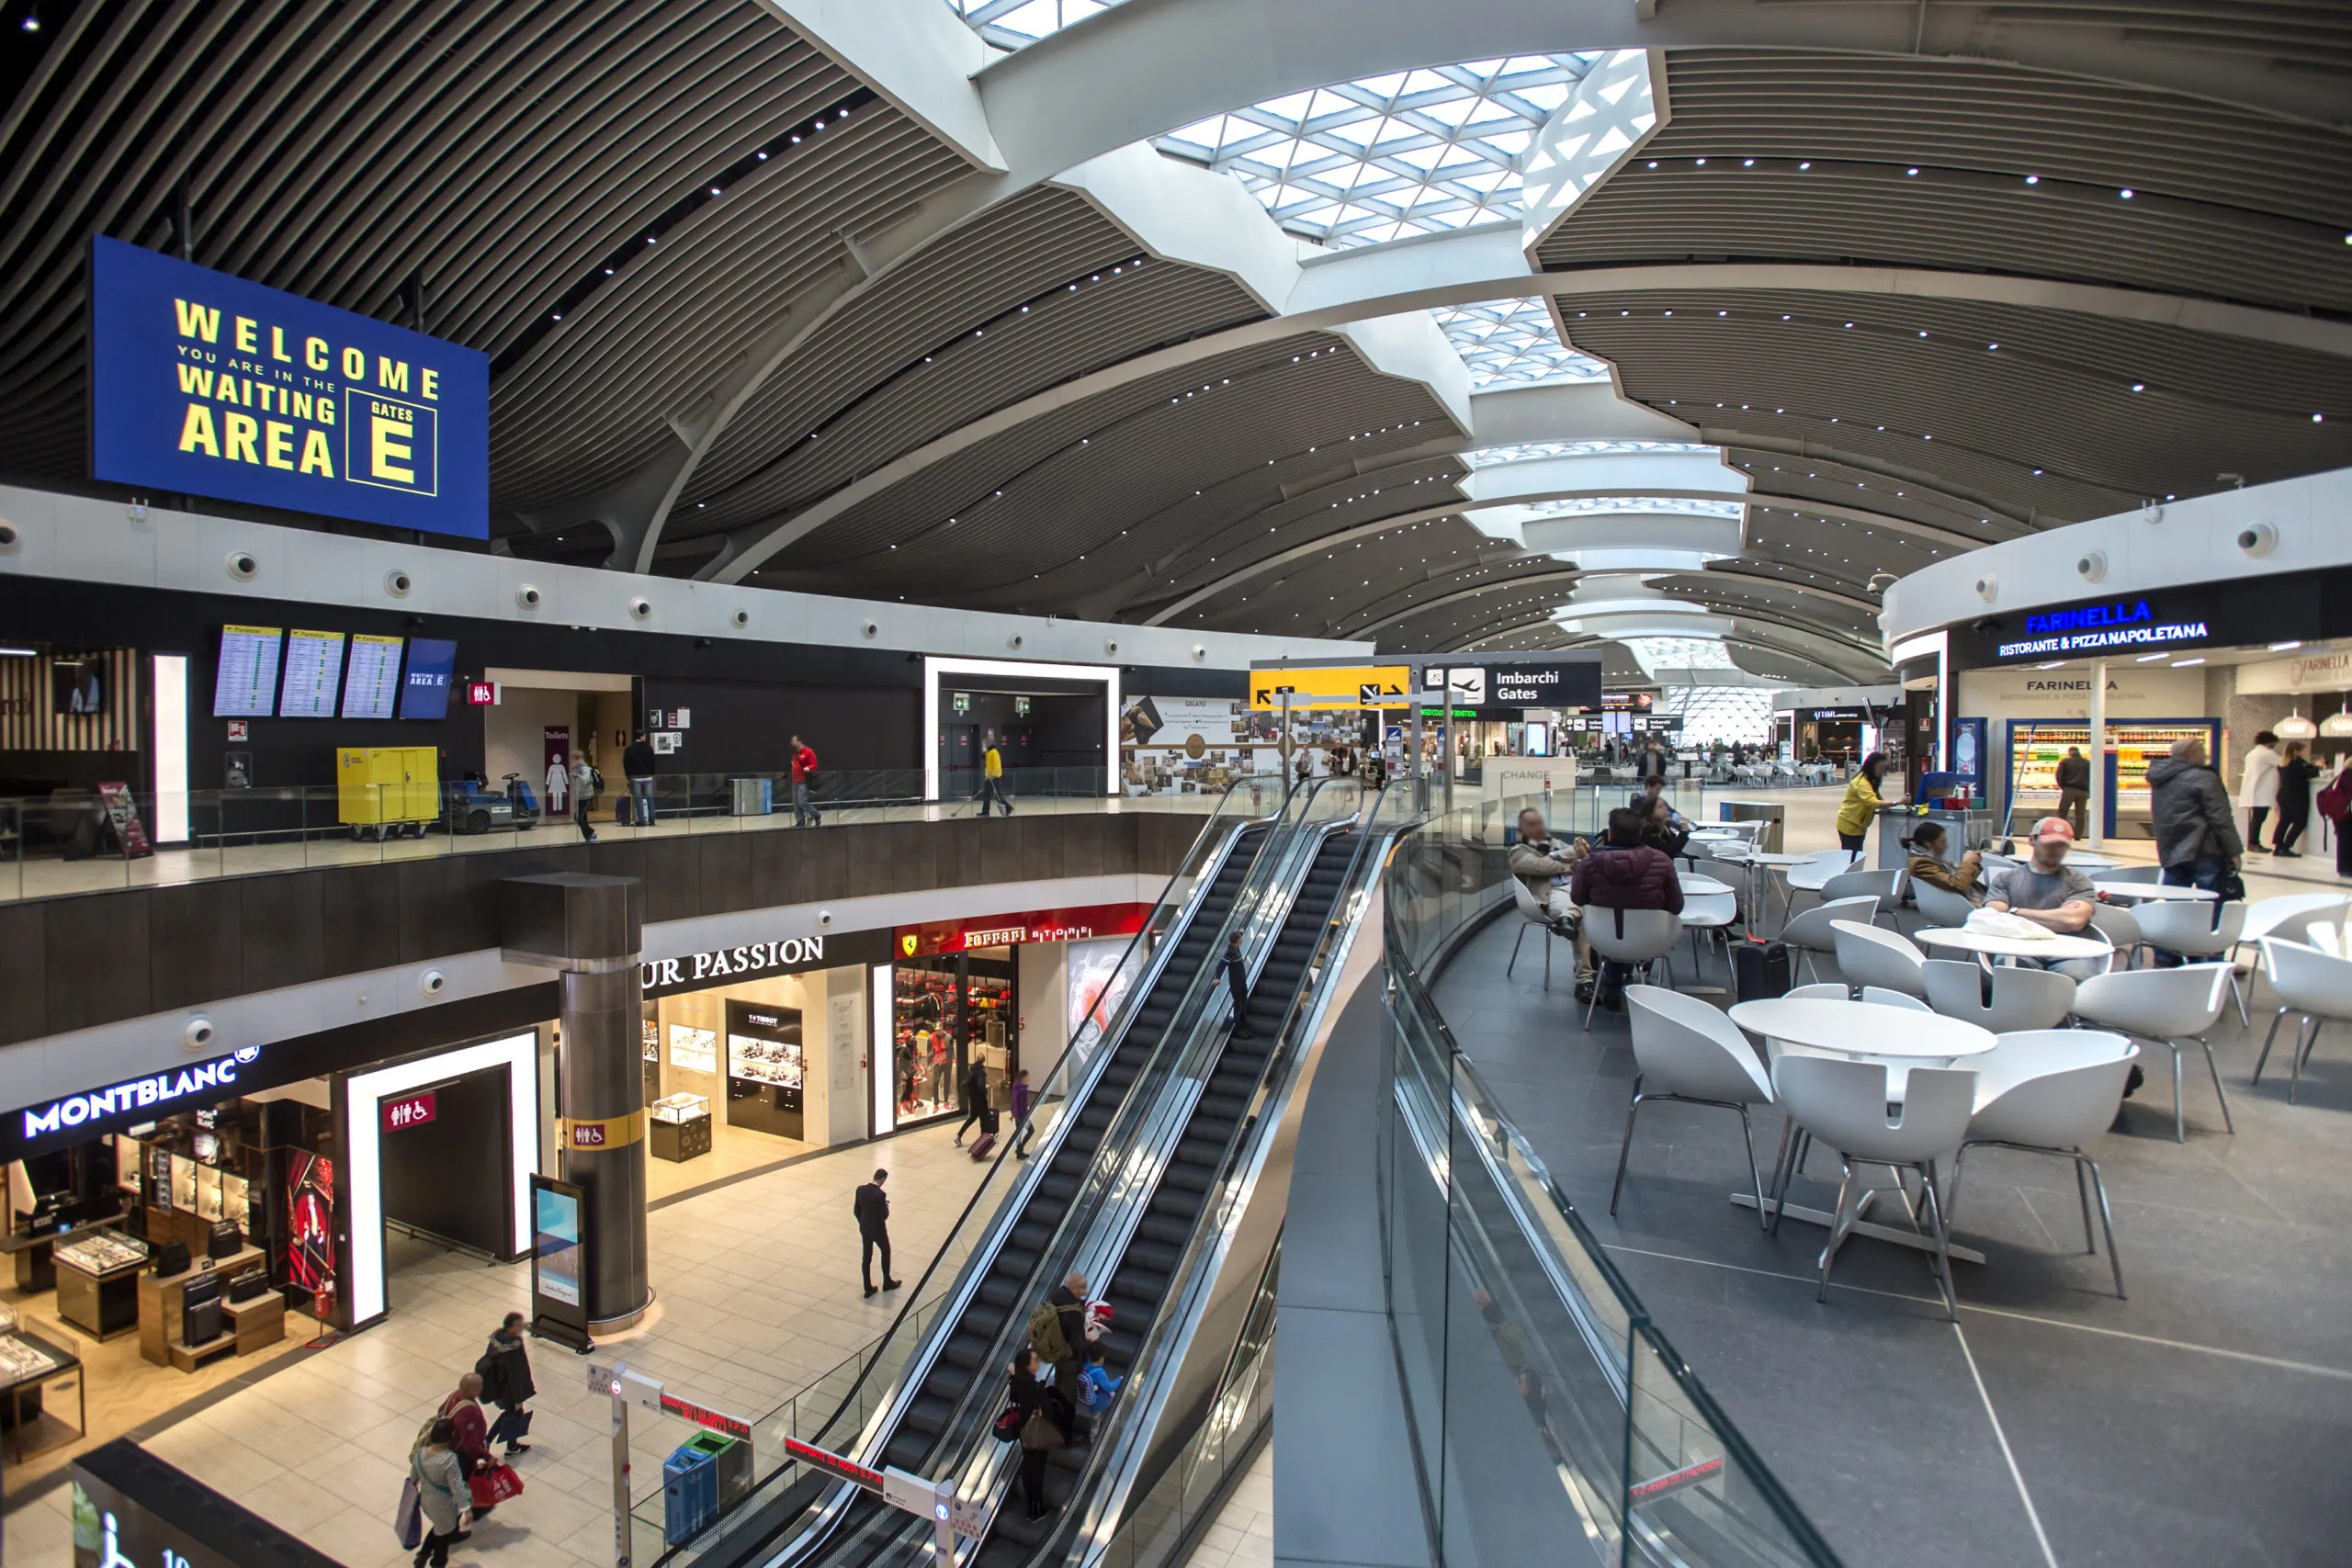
2033, 179
2127, 194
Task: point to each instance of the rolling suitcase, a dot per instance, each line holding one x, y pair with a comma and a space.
983, 1146
1760, 970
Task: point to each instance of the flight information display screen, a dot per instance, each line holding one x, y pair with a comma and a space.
314, 671
371, 684
245, 684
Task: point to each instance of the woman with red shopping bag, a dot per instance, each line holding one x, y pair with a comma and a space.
490, 1482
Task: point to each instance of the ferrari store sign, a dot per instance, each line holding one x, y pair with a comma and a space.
1333, 686
1012, 930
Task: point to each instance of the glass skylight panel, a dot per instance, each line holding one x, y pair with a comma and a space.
1595, 505
1487, 456
1719, 713
1507, 342
1680, 652
1413, 153
1009, 24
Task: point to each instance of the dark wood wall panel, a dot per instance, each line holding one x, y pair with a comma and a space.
74, 963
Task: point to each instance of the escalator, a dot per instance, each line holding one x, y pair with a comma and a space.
964, 1355
1138, 1289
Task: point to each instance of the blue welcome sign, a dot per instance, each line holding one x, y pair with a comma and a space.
207, 384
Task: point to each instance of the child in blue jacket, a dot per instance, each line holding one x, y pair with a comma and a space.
1096, 1386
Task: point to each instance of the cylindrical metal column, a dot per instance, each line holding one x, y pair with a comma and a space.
603, 1084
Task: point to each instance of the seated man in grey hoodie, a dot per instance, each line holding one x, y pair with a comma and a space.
1545, 864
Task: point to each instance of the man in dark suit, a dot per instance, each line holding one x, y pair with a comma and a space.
872, 1211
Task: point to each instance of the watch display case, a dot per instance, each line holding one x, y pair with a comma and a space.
765, 1068
678, 1127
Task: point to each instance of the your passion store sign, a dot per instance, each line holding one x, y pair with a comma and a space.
2096, 628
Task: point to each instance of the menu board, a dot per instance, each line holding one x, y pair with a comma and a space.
314, 669
373, 681
425, 693
245, 686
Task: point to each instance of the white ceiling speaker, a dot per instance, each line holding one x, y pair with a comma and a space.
432, 982
870, 630
397, 583
1111, 645
740, 619
1016, 642
243, 565
641, 608
1988, 589
2092, 567
528, 597
2258, 540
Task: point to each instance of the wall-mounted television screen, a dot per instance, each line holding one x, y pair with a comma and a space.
426, 692
314, 671
372, 680
245, 684
77, 686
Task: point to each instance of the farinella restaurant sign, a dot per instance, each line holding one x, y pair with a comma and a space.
2093, 628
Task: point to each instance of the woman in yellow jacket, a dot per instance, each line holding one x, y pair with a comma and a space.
1861, 802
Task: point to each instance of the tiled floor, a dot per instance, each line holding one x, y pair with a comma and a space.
1243, 1535
758, 1296
2203, 1421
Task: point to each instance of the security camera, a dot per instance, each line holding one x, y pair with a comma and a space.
740, 619
197, 1032
2092, 567
2258, 540
528, 597
1199, 653
1988, 589
8, 536
397, 583
242, 566
1111, 645
137, 509
1015, 641
2152, 511
824, 917
432, 982
641, 608
870, 630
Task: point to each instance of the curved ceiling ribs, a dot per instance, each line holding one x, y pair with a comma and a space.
973, 343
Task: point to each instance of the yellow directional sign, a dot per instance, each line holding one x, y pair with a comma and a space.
1339, 686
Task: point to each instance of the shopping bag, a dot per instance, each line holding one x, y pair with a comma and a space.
408, 1519
494, 1485
512, 1426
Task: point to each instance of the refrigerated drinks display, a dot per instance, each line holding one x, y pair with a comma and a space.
2035, 746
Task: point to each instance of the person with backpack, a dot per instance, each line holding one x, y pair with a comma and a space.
1096, 1387
505, 1372
804, 782
584, 793
1058, 1330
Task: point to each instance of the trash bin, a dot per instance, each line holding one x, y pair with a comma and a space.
753, 797
689, 1491
731, 1458
1771, 813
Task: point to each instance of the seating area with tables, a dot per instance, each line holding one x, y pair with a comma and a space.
1898, 1197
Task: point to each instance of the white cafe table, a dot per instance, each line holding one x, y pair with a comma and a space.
2151, 890
1693, 883
2055, 946
1867, 1030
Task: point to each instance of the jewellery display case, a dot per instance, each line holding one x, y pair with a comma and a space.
678, 1127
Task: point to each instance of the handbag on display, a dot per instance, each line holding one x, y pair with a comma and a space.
171, 1258
494, 1486
200, 1311
251, 1283
226, 1240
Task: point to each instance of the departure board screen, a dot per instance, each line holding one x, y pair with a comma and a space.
245, 686
372, 682
314, 669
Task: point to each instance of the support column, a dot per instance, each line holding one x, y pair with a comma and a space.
588, 927
2097, 750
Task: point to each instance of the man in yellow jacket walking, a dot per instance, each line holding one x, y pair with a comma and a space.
992, 780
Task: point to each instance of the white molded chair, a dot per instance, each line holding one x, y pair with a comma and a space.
1844, 1104
1532, 913
2316, 985
1712, 913
2289, 915
1878, 996
1635, 938
2131, 873
1824, 864
2121, 928
2022, 998
1814, 932
2166, 1006
1868, 956
2195, 928
1686, 1050
2050, 1091
1939, 906
1885, 886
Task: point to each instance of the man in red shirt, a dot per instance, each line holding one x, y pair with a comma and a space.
804, 779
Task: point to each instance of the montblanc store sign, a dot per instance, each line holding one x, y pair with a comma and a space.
2095, 628
213, 1080
723, 965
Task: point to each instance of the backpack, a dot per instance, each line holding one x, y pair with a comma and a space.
1045, 1333
2335, 800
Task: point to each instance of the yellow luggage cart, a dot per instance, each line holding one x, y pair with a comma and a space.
384, 791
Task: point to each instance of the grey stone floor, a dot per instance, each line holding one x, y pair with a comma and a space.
2207, 1420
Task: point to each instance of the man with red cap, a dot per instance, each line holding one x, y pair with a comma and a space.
2049, 892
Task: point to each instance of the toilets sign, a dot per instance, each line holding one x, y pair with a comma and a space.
211, 384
